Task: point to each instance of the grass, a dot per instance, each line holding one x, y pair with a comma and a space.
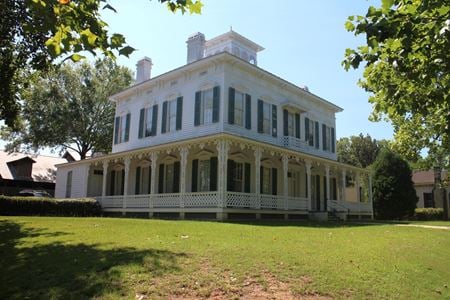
110, 258
434, 223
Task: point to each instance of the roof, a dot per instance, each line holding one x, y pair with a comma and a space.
230, 35
221, 57
43, 167
426, 177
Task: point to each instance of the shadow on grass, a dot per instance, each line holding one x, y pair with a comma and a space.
73, 271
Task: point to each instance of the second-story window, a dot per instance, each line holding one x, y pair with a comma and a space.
122, 129
239, 108
148, 121
312, 132
267, 118
207, 106
291, 122
328, 138
172, 115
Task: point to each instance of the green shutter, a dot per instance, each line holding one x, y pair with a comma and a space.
154, 120
137, 187
194, 175
261, 176
161, 179
274, 120
213, 174
179, 113
317, 135
230, 172
164, 118
176, 177
247, 177
116, 130
141, 123
127, 127
260, 116
324, 137
123, 182
333, 141
197, 106
285, 122
248, 111
297, 126
231, 95
149, 179
306, 185
325, 195
334, 185
307, 130
274, 181
112, 182
216, 104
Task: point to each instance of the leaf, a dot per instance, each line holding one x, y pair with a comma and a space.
126, 51
107, 6
77, 57
90, 36
386, 5
349, 26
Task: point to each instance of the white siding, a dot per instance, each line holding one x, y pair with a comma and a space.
79, 180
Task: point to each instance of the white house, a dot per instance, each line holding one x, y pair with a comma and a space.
221, 136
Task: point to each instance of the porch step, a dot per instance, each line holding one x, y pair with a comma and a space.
333, 217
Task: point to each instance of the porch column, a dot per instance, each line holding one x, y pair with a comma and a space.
327, 175
308, 187
127, 162
105, 177
258, 155
153, 159
183, 163
285, 160
222, 158
344, 175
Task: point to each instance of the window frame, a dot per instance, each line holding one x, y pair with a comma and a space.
206, 119
242, 112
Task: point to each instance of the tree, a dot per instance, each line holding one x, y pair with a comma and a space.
407, 69
68, 107
33, 33
394, 196
360, 151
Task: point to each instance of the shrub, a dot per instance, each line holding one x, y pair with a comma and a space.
425, 214
33, 206
394, 196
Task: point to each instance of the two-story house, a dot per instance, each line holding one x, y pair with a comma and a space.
223, 137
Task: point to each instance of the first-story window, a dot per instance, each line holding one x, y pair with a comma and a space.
268, 181
238, 179
122, 129
117, 178
147, 121
207, 106
169, 178
69, 184
204, 175
143, 180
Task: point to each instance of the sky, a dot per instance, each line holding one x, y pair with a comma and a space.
304, 43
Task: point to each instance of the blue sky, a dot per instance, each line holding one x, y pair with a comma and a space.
304, 43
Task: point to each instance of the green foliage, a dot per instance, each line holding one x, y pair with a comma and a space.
34, 206
394, 196
426, 214
33, 33
407, 70
68, 107
360, 151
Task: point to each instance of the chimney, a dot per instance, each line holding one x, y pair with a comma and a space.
143, 69
195, 47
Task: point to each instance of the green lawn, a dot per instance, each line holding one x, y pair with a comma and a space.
43, 257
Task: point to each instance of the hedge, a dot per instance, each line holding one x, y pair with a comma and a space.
424, 214
36, 206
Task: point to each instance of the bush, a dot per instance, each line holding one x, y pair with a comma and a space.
33, 206
425, 214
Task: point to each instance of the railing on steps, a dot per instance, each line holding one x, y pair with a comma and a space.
349, 207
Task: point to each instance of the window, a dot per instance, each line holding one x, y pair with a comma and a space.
266, 181
239, 108
204, 175
122, 129
172, 114
169, 178
238, 178
142, 180
69, 184
267, 118
312, 132
207, 106
428, 200
147, 121
328, 138
291, 124
117, 179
